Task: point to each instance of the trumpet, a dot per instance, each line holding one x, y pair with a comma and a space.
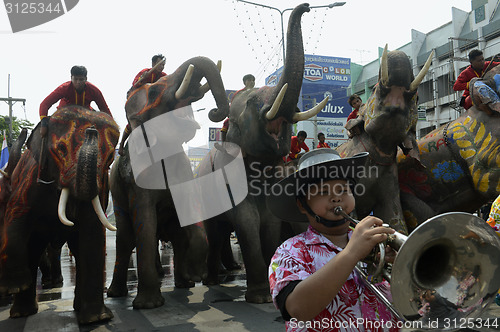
452, 256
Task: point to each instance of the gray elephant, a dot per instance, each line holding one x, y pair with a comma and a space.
80, 147
386, 121
145, 215
260, 124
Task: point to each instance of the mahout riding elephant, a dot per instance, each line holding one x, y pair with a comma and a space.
79, 146
260, 125
459, 167
144, 215
386, 121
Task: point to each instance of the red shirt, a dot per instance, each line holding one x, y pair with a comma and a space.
296, 147
151, 78
67, 95
225, 125
323, 145
462, 82
353, 115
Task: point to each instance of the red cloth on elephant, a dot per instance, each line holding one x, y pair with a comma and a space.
151, 78
67, 94
295, 148
462, 82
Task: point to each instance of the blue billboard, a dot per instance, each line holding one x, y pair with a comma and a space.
324, 76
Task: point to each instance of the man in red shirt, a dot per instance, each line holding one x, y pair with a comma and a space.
297, 145
75, 92
477, 68
147, 75
322, 143
150, 75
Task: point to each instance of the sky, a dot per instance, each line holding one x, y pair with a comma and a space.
115, 39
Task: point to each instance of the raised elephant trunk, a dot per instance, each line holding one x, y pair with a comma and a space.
204, 67
293, 70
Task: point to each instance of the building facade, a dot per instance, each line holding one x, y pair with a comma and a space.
452, 42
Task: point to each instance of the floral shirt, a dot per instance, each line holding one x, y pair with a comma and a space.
355, 308
494, 217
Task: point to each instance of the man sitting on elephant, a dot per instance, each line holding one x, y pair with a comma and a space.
75, 92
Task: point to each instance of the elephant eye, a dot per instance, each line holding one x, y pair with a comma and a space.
63, 149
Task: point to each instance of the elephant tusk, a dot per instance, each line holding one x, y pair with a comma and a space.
100, 213
205, 87
61, 209
414, 85
185, 83
301, 116
384, 68
277, 103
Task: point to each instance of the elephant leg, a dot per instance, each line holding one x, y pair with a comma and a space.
248, 229
15, 273
125, 243
415, 210
50, 266
181, 277
214, 229
89, 256
227, 255
25, 303
148, 289
44, 266
159, 267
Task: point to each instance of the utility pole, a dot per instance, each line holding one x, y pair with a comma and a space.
11, 101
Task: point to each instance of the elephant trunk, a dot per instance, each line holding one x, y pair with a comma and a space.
293, 70
86, 171
211, 72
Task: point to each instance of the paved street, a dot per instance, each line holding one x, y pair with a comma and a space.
201, 308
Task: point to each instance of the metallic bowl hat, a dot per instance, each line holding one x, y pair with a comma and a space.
319, 164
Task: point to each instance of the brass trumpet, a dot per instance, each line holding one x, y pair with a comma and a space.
453, 257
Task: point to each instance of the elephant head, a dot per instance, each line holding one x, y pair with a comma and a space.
79, 146
390, 114
261, 118
178, 90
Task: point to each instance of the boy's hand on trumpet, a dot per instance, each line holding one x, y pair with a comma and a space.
367, 234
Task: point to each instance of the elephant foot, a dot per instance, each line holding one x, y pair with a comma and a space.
148, 301
258, 296
92, 314
232, 267
117, 291
23, 307
15, 282
184, 284
211, 281
52, 283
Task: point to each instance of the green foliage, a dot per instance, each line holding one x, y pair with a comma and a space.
17, 125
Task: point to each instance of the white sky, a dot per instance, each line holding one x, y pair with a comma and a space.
116, 39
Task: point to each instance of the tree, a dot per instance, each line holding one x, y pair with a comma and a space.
17, 125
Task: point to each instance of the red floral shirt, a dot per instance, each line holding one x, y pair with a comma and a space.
355, 308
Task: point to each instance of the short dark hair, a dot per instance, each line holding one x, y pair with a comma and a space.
156, 58
352, 97
473, 54
78, 71
248, 77
320, 134
302, 134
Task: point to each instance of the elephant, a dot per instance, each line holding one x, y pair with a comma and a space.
143, 214
459, 167
386, 121
79, 148
260, 125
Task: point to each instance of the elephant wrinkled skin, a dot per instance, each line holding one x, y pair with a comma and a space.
80, 148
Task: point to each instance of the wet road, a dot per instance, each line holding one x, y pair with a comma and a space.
201, 308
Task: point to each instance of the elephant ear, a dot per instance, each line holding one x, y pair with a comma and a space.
34, 141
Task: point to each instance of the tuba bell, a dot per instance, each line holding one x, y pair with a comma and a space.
446, 272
